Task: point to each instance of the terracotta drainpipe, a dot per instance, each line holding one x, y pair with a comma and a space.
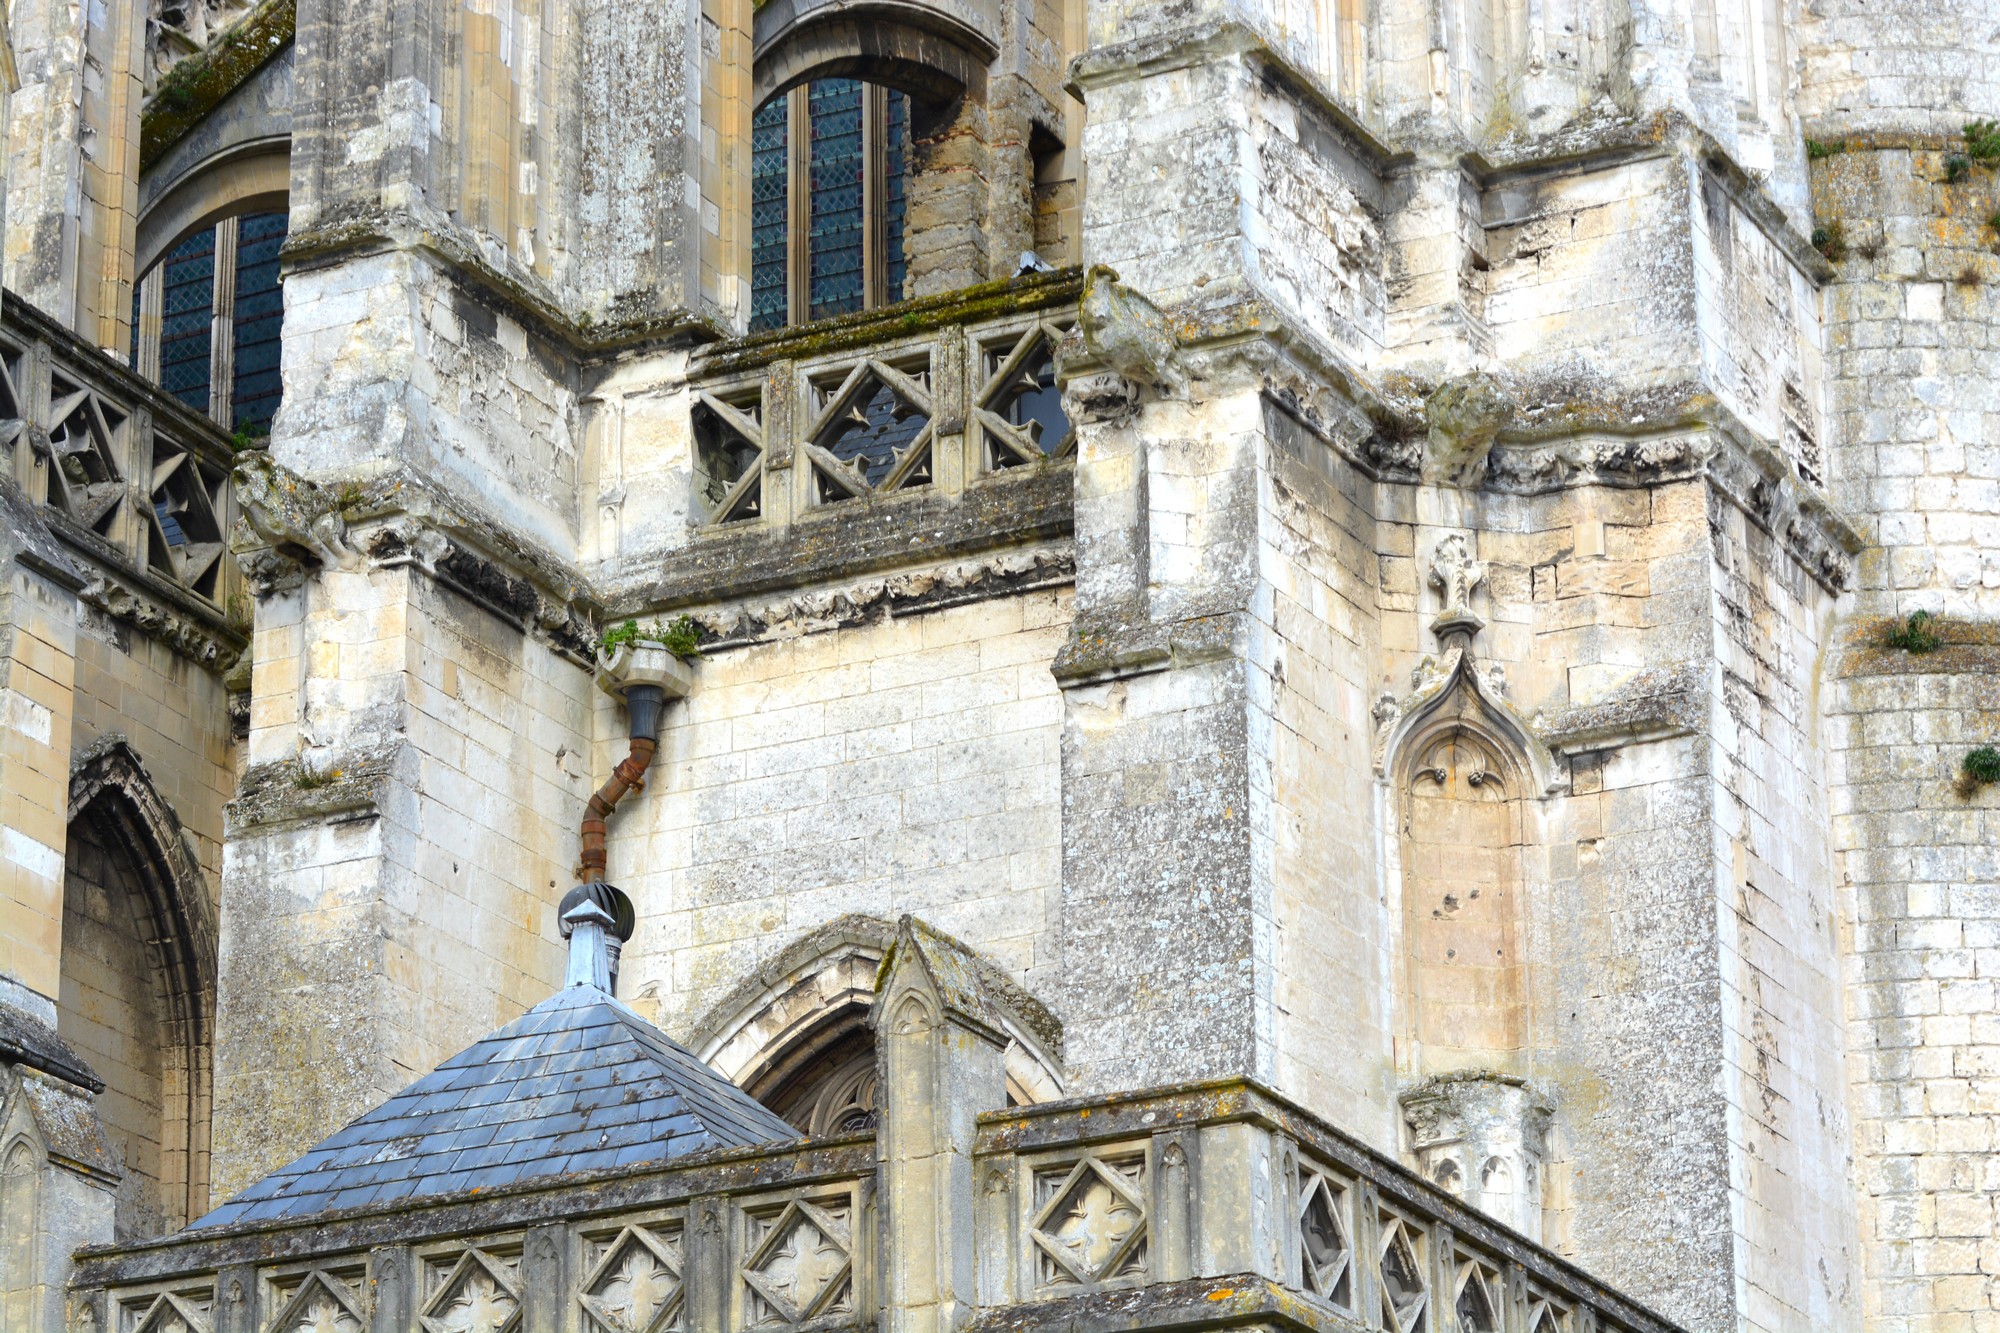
644, 703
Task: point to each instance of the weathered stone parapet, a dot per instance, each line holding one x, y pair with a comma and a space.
107, 459
1138, 1203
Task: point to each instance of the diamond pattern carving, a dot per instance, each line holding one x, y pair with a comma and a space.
729, 443
1326, 1254
800, 1265
480, 1294
322, 1303
1090, 1224
169, 1313
635, 1285
872, 433
1018, 408
1546, 1315
1477, 1302
184, 538
85, 479
1399, 1273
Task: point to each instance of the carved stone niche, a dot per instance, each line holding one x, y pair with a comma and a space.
1484, 1138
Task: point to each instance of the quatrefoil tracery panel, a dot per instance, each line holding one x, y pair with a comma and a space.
872, 432
1017, 409
1090, 1221
479, 1293
634, 1283
801, 1264
1326, 1246
319, 1302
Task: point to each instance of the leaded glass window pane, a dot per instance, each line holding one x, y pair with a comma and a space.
769, 187
260, 318
187, 310
836, 236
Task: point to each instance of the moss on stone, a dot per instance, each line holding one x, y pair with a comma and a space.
968, 305
199, 84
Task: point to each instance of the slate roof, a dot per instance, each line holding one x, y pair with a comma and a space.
578, 1083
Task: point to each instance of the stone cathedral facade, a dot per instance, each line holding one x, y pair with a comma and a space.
983, 666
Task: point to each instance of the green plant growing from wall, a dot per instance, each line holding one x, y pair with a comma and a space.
1979, 768
679, 636
1914, 635
1818, 150
1956, 168
1830, 239
1982, 141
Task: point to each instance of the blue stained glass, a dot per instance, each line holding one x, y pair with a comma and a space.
188, 308
769, 186
891, 425
169, 524
838, 222
256, 387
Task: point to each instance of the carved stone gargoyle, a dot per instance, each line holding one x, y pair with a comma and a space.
1128, 334
288, 524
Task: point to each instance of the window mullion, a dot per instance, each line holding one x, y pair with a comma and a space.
152, 301
874, 231
222, 339
798, 211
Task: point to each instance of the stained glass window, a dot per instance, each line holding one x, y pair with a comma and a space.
187, 311
846, 252
218, 335
260, 318
839, 169
769, 182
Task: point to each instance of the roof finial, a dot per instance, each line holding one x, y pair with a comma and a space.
596, 918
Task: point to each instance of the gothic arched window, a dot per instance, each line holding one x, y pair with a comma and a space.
207, 319
827, 175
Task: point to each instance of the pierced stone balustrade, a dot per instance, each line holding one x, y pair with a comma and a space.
1207, 1205
132, 488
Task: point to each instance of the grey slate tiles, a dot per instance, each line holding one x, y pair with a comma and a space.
578, 1083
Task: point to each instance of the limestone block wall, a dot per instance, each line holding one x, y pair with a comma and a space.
1920, 922
1778, 920
419, 765
1591, 282
1315, 638
393, 367
173, 713
1916, 458
73, 163
901, 765
1906, 66
1915, 461
37, 692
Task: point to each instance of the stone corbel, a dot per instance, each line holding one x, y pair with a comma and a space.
1483, 1137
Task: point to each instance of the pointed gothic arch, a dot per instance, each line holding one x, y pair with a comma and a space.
1464, 776
138, 982
796, 1036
